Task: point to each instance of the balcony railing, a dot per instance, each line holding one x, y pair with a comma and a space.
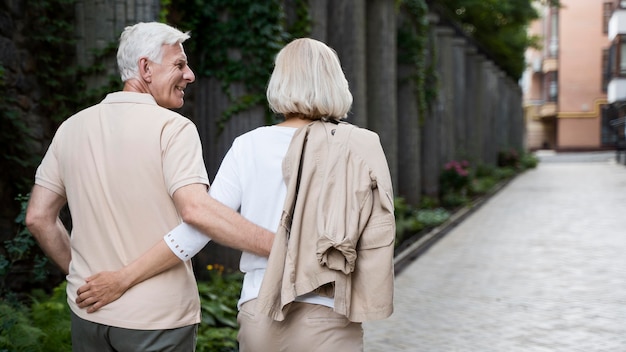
549, 65
617, 23
548, 110
616, 90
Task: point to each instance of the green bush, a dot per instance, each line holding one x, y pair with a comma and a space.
16, 330
218, 298
432, 217
21, 260
427, 202
455, 176
406, 220
484, 170
517, 160
482, 185
529, 161
52, 315
503, 173
45, 325
454, 182
509, 158
454, 200
410, 221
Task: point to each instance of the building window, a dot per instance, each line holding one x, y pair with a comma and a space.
611, 71
608, 133
622, 57
552, 84
606, 69
553, 46
606, 16
554, 90
617, 57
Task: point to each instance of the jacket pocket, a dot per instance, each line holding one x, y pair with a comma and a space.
381, 233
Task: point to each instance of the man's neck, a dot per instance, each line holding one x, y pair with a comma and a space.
135, 85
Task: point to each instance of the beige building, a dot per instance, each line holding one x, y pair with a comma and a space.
565, 88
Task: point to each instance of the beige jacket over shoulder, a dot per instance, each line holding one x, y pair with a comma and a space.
337, 239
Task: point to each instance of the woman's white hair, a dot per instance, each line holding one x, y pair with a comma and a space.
308, 80
144, 40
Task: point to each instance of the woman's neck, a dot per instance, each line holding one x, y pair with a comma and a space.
295, 120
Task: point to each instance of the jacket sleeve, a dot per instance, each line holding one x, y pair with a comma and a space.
346, 200
373, 277
377, 220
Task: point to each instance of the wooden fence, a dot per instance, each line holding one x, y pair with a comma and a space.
477, 111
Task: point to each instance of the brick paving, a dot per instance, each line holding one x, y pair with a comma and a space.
540, 266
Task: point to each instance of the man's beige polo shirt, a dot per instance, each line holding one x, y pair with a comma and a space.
118, 164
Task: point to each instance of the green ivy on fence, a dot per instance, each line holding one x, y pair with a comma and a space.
417, 50
235, 42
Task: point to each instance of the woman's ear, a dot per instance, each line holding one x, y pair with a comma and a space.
145, 71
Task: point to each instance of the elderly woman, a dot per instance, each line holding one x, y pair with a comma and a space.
324, 186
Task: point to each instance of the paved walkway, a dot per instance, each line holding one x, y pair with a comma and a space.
541, 266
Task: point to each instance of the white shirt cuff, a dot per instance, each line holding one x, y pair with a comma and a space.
185, 241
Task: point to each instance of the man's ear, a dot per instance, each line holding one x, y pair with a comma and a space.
145, 71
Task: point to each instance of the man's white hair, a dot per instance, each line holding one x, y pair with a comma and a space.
144, 40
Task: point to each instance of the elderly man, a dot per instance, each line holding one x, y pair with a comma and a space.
130, 170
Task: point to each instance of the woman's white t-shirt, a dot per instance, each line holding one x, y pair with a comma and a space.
250, 180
